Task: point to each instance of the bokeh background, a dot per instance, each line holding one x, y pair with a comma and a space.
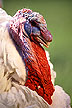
58, 15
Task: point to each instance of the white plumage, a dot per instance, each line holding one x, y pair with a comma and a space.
13, 75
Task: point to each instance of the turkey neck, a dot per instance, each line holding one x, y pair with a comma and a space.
39, 75
37, 67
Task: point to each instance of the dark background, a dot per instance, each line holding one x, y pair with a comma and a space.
58, 15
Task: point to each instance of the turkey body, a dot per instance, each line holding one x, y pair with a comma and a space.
13, 93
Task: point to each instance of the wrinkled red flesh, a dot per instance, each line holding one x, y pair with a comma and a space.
39, 77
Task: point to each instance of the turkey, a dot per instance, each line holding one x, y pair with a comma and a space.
26, 73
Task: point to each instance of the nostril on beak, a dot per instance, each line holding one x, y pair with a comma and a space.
50, 37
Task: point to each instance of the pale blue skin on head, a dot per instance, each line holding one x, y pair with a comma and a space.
31, 29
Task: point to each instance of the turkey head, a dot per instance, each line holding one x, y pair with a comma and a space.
28, 30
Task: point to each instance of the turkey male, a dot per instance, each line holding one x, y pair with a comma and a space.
26, 76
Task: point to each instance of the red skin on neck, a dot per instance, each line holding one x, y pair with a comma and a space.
39, 75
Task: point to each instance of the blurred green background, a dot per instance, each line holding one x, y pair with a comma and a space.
58, 15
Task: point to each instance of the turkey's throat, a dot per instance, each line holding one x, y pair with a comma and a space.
37, 67
39, 75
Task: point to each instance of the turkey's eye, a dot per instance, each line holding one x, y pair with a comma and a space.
33, 23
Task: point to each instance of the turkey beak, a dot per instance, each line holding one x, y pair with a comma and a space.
45, 37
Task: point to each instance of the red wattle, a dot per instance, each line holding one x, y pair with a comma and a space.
39, 79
